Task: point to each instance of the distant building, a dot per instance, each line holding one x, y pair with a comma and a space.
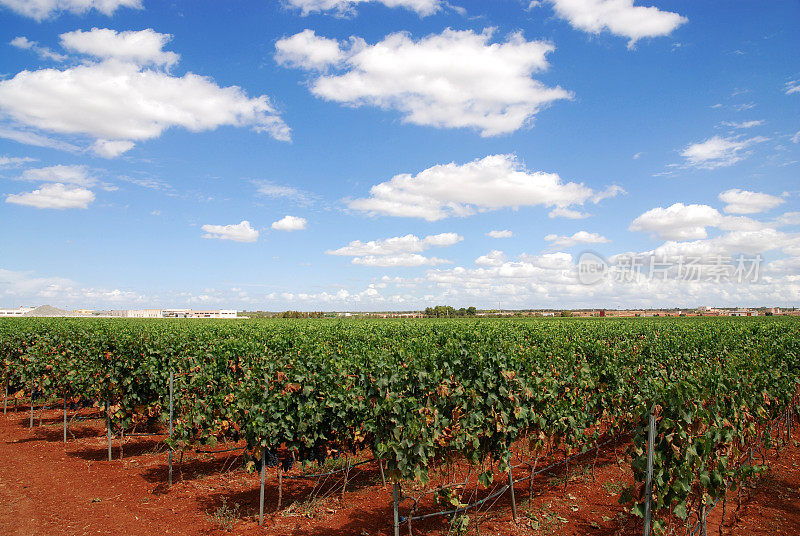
180, 313
15, 312
743, 312
144, 313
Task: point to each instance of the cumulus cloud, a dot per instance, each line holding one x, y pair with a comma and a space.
747, 202
677, 222
450, 80
397, 250
718, 152
57, 196
500, 234
400, 260
240, 232
142, 47
40, 10
689, 222
493, 258
118, 101
75, 175
398, 244
490, 183
43, 52
290, 223
581, 237
347, 7
619, 17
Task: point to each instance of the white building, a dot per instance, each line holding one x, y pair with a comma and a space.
144, 313
15, 312
180, 313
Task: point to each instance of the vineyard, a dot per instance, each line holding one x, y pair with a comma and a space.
452, 413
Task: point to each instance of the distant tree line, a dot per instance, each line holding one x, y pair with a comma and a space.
446, 311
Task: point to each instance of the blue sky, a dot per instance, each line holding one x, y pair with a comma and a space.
137, 136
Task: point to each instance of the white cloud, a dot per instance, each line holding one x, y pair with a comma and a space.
118, 102
493, 258
620, 17
75, 175
58, 196
789, 218
37, 140
144, 47
241, 232
610, 191
399, 260
581, 237
307, 50
347, 7
14, 161
570, 214
279, 191
40, 10
743, 124
111, 149
718, 152
490, 183
678, 222
796, 137
290, 223
396, 245
747, 202
24, 43
792, 86
454, 79
500, 234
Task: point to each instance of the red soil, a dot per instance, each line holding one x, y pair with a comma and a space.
52, 488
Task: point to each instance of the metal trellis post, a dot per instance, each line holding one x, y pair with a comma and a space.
31, 424
65, 418
648, 489
513, 498
170, 425
108, 428
395, 493
263, 479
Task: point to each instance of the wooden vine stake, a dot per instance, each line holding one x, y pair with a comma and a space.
65, 418
170, 425
383, 476
648, 488
5, 399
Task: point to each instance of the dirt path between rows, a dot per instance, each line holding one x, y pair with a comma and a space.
48, 487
